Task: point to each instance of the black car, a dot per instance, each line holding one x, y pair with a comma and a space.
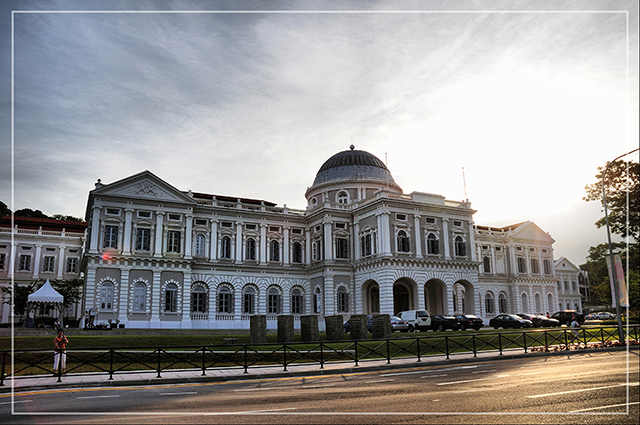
347, 325
548, 322
535, 320
469, 321
441, 323
565, 317
509, 321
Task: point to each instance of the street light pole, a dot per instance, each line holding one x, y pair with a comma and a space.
616, 290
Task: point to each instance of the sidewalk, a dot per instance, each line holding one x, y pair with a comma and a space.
83, 380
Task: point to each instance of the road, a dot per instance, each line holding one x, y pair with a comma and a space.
586, 388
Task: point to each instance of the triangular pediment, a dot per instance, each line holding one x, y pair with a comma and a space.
144, 185
531, 232
564, 265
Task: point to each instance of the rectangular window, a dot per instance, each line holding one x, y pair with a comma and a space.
224, 302
72, 265
401, 217
2, 257
143, 239
253, 227
296, 231
144, 214
201, 222
170, 300
341, 225
113, 211
431, 220
535, 266
296, 304
547, 266
24, 264
343, 302
226, 224
522, 267
457, 223
247, 303
48, 264
342, 248
175, 217
274, 229
110, 237
173, 241
274, 304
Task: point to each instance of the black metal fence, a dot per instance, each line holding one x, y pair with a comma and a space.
243, 356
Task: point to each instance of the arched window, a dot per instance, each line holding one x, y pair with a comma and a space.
225, 300
225, 247
273, 301
538, 302
200, 244
171, 298
403, 241
525, 303
297, 252
297, 301
502, 303
460, 247
315, 250
433, 245
198, 300
568, 306
317, 301
274, 251
343, 300
106, 295
139, 296
343, 198
486, 264
549, 301
248, 301
251, 249
488, 303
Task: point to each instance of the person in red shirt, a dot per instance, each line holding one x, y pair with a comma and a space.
60, 358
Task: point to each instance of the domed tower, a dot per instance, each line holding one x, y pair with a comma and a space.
350, 176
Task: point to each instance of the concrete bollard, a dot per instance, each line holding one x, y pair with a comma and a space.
335, 327
309, 328
258, 329
285, 328
381, 326
358, 326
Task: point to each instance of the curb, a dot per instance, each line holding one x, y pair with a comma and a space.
288, 374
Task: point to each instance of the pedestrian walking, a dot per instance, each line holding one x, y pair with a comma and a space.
575, 329
60, 356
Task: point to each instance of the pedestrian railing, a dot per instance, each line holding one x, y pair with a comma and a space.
19, 363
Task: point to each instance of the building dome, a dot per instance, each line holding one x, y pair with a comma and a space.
353, 164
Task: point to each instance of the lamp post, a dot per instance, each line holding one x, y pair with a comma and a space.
613, 266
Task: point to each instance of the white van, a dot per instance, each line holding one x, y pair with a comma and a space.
419, 320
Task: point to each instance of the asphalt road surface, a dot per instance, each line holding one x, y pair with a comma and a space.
592, 388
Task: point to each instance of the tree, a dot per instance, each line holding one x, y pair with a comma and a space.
622, 186
20, 295
70, 289
27, 212
66, 217
4, 210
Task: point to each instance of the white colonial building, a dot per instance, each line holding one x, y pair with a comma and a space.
37, 249
159, 257
571, 285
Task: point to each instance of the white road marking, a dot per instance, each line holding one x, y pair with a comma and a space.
433, 376
580, 391
485, 371
380, 380
99, 396
429, 371
181, 393
436, 400
254, 389
245, 412
306, 387
537, 373
17, 401
604, 407
472, 380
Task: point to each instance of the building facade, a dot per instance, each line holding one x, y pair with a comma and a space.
571, 285
37, 249
158, 257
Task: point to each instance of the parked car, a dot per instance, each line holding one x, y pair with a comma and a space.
565, 317
397, 324
603, 315
469, 321
548, 322
535, 320
347, 325
441, 323
419, 320
509, 321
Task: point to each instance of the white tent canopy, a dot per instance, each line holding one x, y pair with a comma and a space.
46, 294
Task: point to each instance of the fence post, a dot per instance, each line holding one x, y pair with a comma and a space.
524, 341
285, 356
473, 339
566, 340
602, 336
546, 343
388, 353
321, 356
111, 364
446, 345
418, 347
246, 366
500, 343
159, 354
355, 346
4, 361
203, 361
584, 337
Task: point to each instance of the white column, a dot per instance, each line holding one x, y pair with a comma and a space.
95, 229
478, 250
213, 243
356, 241
188, 237
263, 244
307, 233
418, 233
186, 302
12, 258
493, 259
123, 302
445, 238
285, 247
159, 234
156, 288
36, 261
527, 261
61, 258
472, 241
512, 258
329, 302
126, 247
239, 242
328, 242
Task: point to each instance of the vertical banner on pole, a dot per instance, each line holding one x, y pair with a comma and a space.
622, 287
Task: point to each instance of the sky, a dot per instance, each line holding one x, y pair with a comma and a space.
525, 99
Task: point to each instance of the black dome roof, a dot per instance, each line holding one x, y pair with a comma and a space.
353, 164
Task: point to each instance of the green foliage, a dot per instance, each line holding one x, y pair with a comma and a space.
70, 289
66, 217
622, 186
4, 210
20, 296
596, 266
27, 212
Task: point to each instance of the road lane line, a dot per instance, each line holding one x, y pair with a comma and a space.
246, 412
99, 396
254, 389
428, 371
181, 393
631, 384
604, 407
379, 380
17, 401
472, 380
433, 376
306, 387
537, 373
485, 371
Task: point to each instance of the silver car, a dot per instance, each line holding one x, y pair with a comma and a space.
397, 324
